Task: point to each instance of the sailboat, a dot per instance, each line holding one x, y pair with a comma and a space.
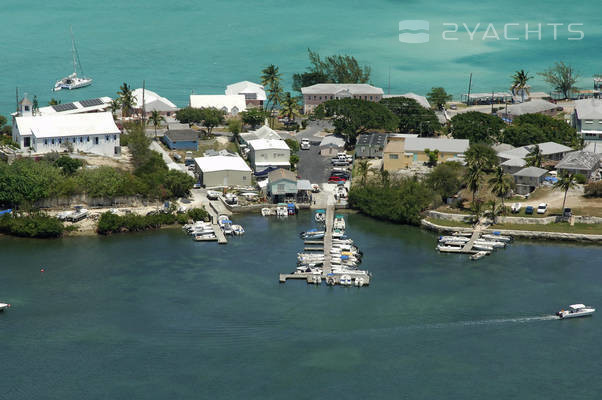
73, 81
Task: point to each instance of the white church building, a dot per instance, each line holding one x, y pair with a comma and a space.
93, 132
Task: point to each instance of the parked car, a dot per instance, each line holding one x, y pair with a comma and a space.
516, 207
212, 195
305, 144
334, 179
337, 162
529, 210
542, 208
196, 186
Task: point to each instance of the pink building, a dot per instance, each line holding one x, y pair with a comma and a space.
317, 94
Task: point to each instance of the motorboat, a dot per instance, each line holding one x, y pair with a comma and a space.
479, 246
339, 222
478, 255
73, 81
493, 244
231, 198
212, 195
282, 211
238, 230
4, 306
575, 311
497, 237
320, 216
224, 222
266, 212
454, 239
209, 237
441, 247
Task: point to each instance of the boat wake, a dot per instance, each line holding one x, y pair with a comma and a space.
491, 321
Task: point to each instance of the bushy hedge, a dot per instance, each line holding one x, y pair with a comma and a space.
400, 201
580, 178
113, 223
594, 189
33, 226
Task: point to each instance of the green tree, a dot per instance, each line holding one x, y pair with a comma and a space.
562, 78
290, 107
520, 84
473, 179
156, 118
535, 157
54, 102
235, 126
494, 211
476, 127
271, 81
352, 117
538, 128
189, 115
412, 117
212, 117
500, 184
438, 97
254, 117
68, 165
332, 69
293, 145
362, 170
127, 100
178, 183
293, 160
35, 105
433, 157
565, 182
445, 179
481, 157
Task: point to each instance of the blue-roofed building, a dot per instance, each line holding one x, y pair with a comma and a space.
181, 139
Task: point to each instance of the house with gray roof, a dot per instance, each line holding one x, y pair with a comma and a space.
535, 106
550, 151
513, 165
319, 93
332, 145
528, 179
587, 118
579, 162
370, 145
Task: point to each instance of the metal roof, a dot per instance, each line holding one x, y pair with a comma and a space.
222, 163
182, 134
62, 125
530, 107
579, 160
443, 145
333, 88
531, 172
589, 108
280, 174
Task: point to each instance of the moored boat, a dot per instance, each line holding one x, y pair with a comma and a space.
4, 306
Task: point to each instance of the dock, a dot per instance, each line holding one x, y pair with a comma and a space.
213, 212
327, 267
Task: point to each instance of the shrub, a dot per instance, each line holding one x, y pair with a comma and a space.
594, 189
112, 223
32, 226
580, 178
198, 214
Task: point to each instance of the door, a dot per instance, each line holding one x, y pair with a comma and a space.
26, 142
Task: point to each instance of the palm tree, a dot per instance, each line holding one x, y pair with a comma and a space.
494, 211
156, 119
565, 182
519, 83
115, 105
270, 79
362, 170
535, 157
126, 99
289, 107
500, 186
473, 180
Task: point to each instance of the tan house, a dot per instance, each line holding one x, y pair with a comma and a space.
402, 152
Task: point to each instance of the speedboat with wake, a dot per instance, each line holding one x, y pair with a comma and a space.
575, 311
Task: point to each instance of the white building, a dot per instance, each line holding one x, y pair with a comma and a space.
254, 93
153, 102
265, 153
230, 104
265, 132
89, 132
419, 99
224, 171
77, 107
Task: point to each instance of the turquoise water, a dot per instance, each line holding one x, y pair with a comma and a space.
178, 47
156, 316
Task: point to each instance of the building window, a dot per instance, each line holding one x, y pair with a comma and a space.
52, 141
26, 108
244, 178
589, 121
320, 97
45, 141
87, 138
81, 139
96, 140
370, 97
60, 140
106, 138
115, 137
393, 156
281, 187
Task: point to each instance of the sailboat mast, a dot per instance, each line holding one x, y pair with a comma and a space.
73, 51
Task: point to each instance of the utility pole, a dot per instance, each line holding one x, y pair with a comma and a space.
469, 88
17, 98
143, 102
389, 87
492, 101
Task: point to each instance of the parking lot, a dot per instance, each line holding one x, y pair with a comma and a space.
313, 166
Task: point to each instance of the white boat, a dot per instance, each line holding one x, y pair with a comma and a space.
479, 255
498, 238
490, 243
266, 212
339, 222
205, 238
4, 306
212, 195
454, 239
238, 230
484, 247
73, 81
282, 211
448, 248
231, 198
320, 216
575, 311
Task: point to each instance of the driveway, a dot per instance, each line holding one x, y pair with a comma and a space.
170, 163
312, 131
313, 166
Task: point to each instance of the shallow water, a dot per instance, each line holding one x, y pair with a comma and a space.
157, 316
202, 46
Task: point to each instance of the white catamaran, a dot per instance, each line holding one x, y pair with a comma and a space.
73, 81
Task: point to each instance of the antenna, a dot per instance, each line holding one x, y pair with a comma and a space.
17, 97
143, 103
469, 87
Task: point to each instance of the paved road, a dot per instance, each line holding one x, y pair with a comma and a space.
312, 129
170, 163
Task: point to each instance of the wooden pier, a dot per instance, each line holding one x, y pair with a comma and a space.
221, 238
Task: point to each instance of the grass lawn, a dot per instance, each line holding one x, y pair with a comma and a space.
564, 227
445, 222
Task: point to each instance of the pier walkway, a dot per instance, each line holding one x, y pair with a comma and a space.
327, 267
213, 212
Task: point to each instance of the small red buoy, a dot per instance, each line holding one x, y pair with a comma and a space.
42, 270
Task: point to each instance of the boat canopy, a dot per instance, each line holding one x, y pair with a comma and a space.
320, 211
577, 306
